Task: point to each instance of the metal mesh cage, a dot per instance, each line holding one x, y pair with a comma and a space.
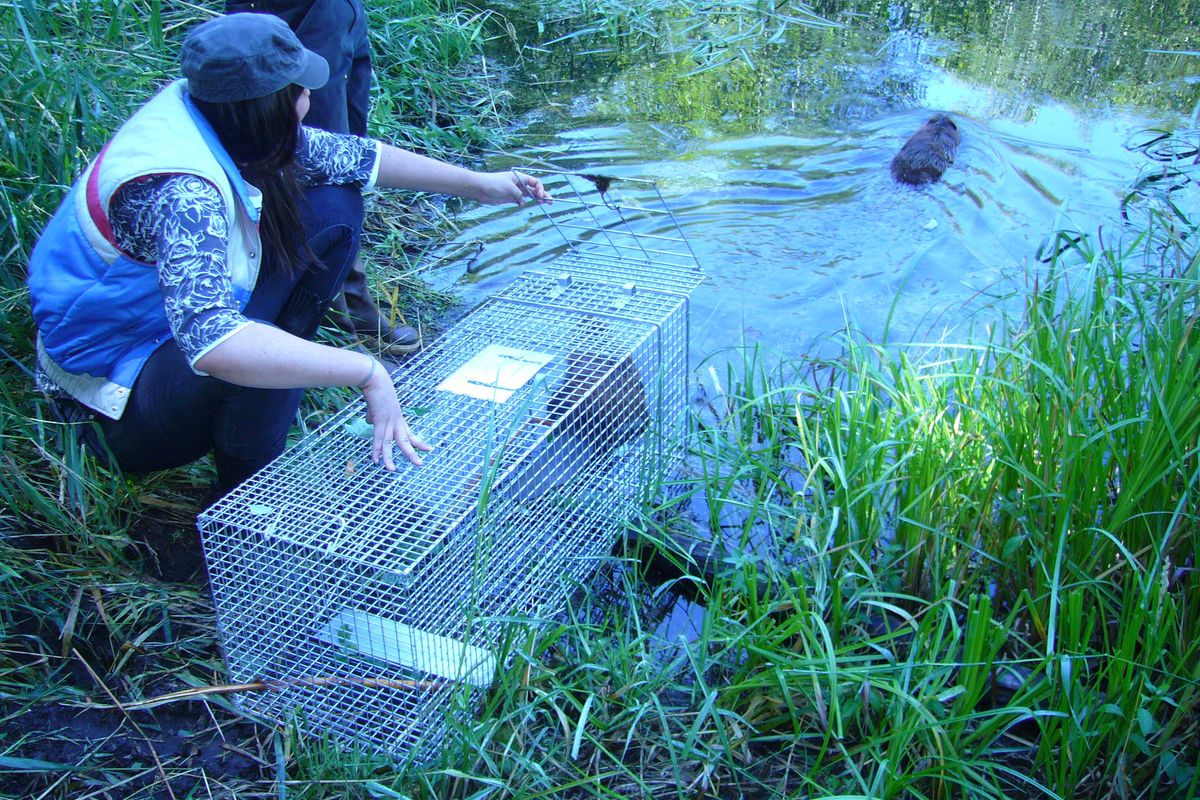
371, 603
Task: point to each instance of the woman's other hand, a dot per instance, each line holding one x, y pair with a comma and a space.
263, 356
390, 426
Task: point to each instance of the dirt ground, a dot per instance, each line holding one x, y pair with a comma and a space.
65, 751
69, 739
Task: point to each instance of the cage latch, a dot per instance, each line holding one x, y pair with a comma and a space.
622, 298
564, 280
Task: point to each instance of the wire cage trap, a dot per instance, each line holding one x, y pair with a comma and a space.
371, 604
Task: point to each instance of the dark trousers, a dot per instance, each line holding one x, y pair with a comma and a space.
175, 416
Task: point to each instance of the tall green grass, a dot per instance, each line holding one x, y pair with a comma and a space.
74, 70
436, 90
1026, 506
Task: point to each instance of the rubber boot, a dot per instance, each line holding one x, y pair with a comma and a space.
356, 313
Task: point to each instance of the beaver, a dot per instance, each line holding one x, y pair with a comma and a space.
600, 399
927, 153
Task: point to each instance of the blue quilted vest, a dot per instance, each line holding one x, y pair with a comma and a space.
100, 313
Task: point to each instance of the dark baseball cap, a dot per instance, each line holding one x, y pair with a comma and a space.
244, 56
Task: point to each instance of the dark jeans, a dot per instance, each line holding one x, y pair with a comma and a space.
337, 31
175, 416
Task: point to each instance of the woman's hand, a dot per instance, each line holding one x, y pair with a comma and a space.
510, 187
384, 414
265, 357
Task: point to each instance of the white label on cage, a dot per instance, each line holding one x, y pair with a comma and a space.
495, 372
407, 646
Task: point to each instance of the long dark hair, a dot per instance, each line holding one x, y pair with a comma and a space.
260, 136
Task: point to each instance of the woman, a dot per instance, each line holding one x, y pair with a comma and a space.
177, 289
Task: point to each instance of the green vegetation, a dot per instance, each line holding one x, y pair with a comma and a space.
692, 62
1038, 495
972, 569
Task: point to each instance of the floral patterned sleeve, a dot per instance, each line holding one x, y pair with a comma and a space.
336, 158
178, 223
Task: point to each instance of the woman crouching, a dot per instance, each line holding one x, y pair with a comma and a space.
179, 286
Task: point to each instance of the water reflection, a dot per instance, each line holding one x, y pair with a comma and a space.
878, 58
802, 234
683, 621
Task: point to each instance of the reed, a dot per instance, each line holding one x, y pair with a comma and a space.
74, 70
1019, 507
706, 34
435, 90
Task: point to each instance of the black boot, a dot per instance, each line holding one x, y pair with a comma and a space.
356, 313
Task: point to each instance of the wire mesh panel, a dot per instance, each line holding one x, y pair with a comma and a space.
370, 604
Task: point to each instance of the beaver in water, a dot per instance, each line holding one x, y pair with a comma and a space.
927, 152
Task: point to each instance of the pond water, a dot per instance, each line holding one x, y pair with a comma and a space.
775, 162
773, 152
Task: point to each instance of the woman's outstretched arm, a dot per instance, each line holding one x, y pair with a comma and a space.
401, 169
